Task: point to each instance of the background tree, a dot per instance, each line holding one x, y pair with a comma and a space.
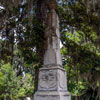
22, 25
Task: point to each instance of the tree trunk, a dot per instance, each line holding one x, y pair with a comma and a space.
41, 15
42, 10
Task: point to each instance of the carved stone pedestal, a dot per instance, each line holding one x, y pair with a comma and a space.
52, 78
52, 84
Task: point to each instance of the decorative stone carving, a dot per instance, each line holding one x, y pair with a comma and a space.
62, 80
52, 79
47, 80
52, 83
57, 88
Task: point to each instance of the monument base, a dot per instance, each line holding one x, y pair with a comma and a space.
52, 95
52, 84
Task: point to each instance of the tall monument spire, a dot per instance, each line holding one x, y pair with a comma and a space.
52, 54
52, 83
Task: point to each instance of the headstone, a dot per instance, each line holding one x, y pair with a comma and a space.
52, 83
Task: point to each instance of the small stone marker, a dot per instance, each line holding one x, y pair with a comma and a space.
52, 77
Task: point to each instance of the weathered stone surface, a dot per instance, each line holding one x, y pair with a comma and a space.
52, 83
52, 95
52, 54
52, 79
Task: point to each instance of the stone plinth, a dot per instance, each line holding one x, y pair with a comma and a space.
52, 84
52, 95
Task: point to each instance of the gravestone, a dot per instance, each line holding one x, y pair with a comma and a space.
52, 83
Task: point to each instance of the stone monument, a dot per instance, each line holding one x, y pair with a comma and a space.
52, 83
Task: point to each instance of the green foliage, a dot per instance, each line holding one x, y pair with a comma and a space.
13, 87
21, 45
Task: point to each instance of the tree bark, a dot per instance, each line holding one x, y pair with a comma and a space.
42, 9
41, 16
